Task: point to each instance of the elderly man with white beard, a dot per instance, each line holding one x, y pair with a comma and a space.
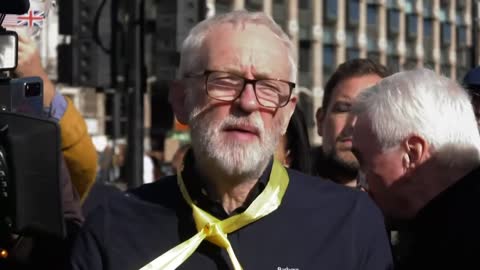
231, 205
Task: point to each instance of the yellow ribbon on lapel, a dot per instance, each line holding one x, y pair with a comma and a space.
214, 230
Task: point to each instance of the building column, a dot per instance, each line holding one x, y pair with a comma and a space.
419, 40
340, 34
402, 43
474, 24
292, 24
210, 6
362, 28
452, 55
101, 114
238, 4
267, 7
382, 31
317, 63
436, 37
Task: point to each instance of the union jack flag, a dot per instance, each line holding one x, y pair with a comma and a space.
34, 18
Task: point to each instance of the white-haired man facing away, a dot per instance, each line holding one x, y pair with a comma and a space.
417, 142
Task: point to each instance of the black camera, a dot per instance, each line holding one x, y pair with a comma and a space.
30, 197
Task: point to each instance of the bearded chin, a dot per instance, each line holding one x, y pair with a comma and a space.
246, 160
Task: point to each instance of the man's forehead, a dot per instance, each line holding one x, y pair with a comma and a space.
254, 48
352, 86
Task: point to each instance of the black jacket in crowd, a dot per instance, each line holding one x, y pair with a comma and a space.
446, 233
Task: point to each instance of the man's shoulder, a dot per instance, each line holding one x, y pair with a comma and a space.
316, 192
315, 185
158, 192
161, 197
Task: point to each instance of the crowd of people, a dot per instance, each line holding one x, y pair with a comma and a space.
400, 153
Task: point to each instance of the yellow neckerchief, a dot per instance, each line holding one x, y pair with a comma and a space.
215, 230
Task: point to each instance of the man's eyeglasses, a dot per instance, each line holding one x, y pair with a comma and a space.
225, 86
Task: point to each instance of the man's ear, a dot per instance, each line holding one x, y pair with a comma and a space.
417, 150
176, 97
292, 104
320, 116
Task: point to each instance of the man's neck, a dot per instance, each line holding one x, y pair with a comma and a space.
231, 191
231, 196
346, 181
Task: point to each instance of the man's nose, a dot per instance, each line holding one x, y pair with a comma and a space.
247, 100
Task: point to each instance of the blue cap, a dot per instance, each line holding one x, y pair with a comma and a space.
472, 79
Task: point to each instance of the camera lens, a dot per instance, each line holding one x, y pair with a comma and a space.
33, 89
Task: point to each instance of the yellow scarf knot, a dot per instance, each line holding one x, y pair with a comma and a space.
214, 230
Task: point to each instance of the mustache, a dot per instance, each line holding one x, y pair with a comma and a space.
253, 120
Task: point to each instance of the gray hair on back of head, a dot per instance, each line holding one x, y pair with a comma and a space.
424, 103
190, 55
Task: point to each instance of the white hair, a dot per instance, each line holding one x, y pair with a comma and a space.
190, 54
424, 103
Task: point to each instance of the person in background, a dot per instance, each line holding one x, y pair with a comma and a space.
78, 167
233, 206
77, 146
179, 156
418, 145
334, 159
294, 147
471, 81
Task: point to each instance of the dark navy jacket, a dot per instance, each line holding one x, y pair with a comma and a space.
319, 225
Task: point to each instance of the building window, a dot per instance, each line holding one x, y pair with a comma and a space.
372, 44
330, 10
446, 70
328, 34
221, 8
393, 64
329, 61
461, 36
253, 5
304, 58
353, 12
427, 27
304, 4
392, 3
409, 6
429, 64
446, 34
411, 50
351, 39
412, 26
444, 56
462, 58
459, 17
353, 53
393, 22
443, 16
410, 64
305, 23
427, 8
375, 56
372, 15
391, 48
428, 39
279, 13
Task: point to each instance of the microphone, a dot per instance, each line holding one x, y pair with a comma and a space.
14, 6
